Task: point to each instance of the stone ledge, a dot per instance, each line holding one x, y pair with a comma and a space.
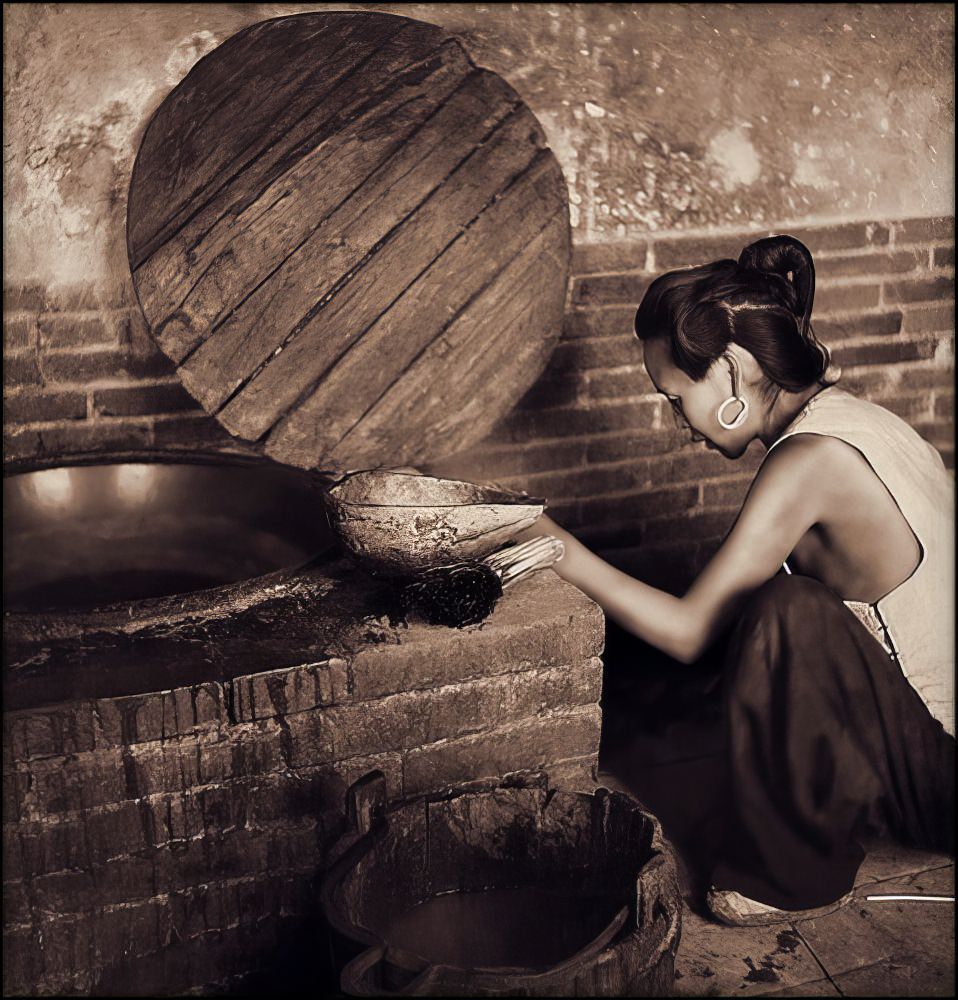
318, 616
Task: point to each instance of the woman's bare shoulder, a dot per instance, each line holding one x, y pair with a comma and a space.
803, 447
819, 464
800, 453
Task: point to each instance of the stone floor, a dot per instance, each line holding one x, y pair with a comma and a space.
868, 948
660, 742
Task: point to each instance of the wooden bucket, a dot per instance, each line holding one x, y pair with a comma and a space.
492, 891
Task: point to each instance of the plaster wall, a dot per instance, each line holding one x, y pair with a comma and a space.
663, 116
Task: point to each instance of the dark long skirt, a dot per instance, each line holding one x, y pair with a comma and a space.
826, 742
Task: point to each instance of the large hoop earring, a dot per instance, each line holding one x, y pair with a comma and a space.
739, 419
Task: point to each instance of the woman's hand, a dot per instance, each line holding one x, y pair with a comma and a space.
544, 526
576, 562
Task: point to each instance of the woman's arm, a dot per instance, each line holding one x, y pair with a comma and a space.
785, 500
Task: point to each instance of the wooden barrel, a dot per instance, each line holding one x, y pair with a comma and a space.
352, 241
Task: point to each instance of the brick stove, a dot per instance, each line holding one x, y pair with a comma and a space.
174, 769
364, 264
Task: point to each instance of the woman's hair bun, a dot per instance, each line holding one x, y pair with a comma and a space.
762, 301
780, 255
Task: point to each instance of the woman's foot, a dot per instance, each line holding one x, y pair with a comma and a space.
736, 910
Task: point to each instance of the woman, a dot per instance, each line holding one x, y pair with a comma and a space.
837, 576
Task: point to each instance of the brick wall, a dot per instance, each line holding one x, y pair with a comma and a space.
81, 373
169, 840
593, 437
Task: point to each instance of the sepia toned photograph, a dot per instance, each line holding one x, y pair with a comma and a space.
478, 499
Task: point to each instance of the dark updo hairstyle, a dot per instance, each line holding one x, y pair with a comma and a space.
762, 302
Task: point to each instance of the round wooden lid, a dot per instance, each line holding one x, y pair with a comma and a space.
352, 241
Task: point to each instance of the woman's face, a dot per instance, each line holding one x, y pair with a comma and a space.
696, 404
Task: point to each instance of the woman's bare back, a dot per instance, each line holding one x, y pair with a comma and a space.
863, 547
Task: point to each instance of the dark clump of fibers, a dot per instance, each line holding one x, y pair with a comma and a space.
458, 595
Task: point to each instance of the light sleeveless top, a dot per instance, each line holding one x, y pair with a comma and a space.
915, 622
